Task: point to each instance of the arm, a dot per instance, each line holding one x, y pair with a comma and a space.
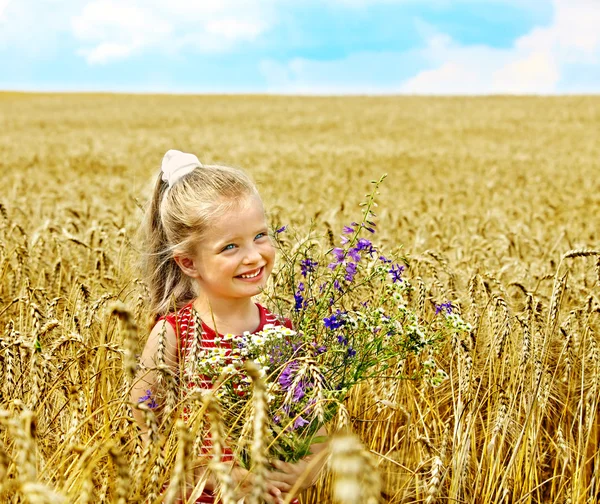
147, 380
147, 377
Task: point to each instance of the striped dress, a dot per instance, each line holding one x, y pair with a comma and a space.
183, 324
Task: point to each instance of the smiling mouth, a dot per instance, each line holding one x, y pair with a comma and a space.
253, 274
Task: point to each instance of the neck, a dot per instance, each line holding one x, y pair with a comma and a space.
228, 315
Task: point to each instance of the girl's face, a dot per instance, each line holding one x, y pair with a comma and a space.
235, 256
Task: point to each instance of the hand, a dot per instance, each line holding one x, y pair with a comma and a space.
296, 476
243, 482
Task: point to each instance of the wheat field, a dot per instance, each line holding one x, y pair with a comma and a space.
494, 200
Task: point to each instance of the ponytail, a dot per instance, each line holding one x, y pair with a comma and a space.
169, 288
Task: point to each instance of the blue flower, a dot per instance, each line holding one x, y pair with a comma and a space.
307, 266
335, 321
299, 301
281, 229
396, 273
148, 397
447, 307
351, 352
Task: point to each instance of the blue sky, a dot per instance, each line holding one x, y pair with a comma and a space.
308, 47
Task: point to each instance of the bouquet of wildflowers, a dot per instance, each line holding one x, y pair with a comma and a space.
352, 321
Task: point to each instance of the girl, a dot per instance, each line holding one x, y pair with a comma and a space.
210, 253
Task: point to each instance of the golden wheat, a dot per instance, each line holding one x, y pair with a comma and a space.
498, 223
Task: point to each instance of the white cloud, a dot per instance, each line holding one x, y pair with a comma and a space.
3, 6
537, 63
535, 73
561, 57
115, 31
107, 51
108, 30
32, 27
112, 30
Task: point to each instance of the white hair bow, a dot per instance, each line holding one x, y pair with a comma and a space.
176, 164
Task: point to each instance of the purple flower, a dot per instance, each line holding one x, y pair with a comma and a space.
348, 230
369, 229
350, 271
366, 245
300, 422
299, 301
396, 273
148, 397
384, 259
299, 391
337, 285
307, 266
447, 307
335, 321
275, 354
277, 419
342, 340
339, 254
353, 253
286, 378
319, 349
281, 229
351, 352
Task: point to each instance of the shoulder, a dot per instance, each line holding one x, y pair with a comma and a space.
268, 317
172, 328
162, 335
179, 320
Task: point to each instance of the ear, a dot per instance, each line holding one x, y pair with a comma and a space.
187, 265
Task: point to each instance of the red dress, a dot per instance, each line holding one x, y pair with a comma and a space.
182, 322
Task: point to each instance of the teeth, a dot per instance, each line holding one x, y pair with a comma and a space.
252, 275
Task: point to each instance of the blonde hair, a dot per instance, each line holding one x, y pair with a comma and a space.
177, 218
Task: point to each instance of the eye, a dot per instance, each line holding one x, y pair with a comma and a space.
260, 235
230, 246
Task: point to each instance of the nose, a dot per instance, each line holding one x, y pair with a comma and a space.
252, 255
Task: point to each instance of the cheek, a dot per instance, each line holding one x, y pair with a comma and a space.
270, 254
